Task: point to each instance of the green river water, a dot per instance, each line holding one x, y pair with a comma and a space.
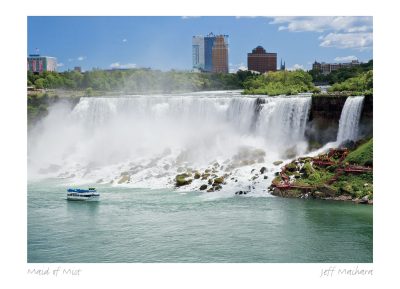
141, 225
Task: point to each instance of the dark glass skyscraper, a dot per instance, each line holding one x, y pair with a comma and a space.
208, 45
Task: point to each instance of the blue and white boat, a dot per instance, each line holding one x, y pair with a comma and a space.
83, 195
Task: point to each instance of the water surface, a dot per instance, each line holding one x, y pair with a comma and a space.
141, 225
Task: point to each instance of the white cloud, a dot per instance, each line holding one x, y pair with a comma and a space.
359, 41
80, 58
124, 40
239, 17
324, 23
342, 31
345, 58
235, 67
189, 17
296, 67
122, 66
60, 64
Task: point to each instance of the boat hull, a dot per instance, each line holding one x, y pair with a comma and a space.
83, 198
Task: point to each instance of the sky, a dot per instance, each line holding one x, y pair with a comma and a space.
165, 42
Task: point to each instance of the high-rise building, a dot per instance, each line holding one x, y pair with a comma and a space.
38, 64
261, 61
220, 54
198, 53
210, 53
208, 45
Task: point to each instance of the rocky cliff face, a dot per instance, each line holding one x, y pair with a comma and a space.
325, 114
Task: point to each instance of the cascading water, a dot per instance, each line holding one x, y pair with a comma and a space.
350, 119
152, 138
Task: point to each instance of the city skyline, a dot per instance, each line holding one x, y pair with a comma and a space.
165, 42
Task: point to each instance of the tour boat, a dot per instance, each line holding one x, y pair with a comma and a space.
83, 195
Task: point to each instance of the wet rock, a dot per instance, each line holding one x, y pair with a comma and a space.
203, 187
182, 180
219, 180
124, 179
205, 176
265, 177
197, 175
252, 171
263, 170
277, 163
343, 198
241, 192
210, 190
364, 200
210, 181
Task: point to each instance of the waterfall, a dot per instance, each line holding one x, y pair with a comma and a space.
350, 119
283, 120
152, 136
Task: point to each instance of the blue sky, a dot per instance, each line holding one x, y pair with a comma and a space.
165, 42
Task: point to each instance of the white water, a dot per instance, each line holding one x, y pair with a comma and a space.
152, 138
350, 119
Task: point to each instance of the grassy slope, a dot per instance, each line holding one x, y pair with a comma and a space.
363, 155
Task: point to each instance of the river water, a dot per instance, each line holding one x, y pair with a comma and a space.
142, 225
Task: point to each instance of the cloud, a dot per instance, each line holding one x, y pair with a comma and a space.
80, 58
189, 17
339, 31
345, 58
122, 66
324, 23
359, 41
296, 67
124, 40
235, 67
241, 17
60, 64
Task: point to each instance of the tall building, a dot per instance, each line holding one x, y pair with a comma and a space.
261, 61
198, 53
208, 45
38, 64
326, 68
208, 55
220, 54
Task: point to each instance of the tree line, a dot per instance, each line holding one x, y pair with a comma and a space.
138, 80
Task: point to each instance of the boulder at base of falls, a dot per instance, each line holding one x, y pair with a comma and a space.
218, 180
263, 170
203, 187
182, 180
124, 179
277, 163
241, 192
